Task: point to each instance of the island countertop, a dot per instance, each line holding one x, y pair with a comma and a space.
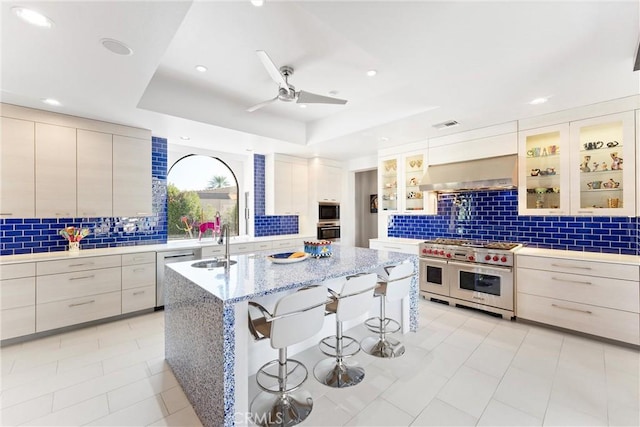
255, 275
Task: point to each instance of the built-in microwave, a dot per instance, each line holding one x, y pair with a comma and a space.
328, 211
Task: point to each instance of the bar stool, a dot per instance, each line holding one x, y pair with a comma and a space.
395, 288
296, 317
353, 301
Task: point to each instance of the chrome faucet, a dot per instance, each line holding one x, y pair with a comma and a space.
224, 237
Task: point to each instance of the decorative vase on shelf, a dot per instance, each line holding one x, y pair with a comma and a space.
74, 248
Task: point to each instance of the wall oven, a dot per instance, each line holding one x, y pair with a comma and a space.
328, 211
329, 231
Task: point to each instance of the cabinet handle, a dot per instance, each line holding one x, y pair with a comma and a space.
556, 212
138, 293
481, 299
88, 213
142, 213
571, 266
571, 281
6, 213
391, 247
82, 303
82, 277
62, 214
80, 265
571, 309
139, 269
589, 212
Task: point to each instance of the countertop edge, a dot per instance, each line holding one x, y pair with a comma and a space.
580, 256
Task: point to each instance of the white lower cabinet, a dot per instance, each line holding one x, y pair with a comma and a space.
595, 297
138, 282
75, 291
17, 300
394, 246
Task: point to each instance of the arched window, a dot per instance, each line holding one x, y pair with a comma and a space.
202, 194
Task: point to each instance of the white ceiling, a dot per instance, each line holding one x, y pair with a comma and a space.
477, 62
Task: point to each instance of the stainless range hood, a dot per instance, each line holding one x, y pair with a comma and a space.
494, 173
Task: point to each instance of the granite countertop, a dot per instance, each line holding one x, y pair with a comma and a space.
398, 240
122, 250
580, 256
254, 275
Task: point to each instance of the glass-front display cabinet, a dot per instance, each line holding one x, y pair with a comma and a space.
388, 179
413, 172
603, 179
544, 171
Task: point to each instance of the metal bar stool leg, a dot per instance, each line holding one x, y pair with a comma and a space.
382, 345
337, 372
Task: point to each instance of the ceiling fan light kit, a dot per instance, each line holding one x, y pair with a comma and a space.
286, 91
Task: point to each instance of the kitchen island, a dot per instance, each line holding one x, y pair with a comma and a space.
207, 342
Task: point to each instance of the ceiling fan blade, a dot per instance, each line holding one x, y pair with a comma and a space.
273, 71
262, 104
312, 98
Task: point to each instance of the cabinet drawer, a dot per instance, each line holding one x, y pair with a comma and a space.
17, 322
600, 321
262, 246
287, 244
17, 292
394, 247
600, 291
143, 258
138, 299
77, 310
242, 248
588, 268
77, 264
212, 251
57, 287
135, 276
14, 271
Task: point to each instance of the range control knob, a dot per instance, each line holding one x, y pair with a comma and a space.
503, 259
487, 257
424, 251
471, 258
427, 251
448, 255
441, 252
495, 257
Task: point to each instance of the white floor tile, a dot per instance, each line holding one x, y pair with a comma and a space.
175, 399
33, 358
439, 413
97, 355
26, 411
499, 414
413, 394
525, 391
133, 358
29, 375
325, 413
578, 390
140, 390
507, 335
381, 413
557, 415
76, 415
140, 414
182, 418
466, 338
536, 359
469, 390
491, 360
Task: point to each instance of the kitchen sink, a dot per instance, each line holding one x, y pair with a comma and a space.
212, 263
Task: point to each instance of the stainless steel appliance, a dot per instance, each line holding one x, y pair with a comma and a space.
469, 273
164, 258
328, 211
329, 231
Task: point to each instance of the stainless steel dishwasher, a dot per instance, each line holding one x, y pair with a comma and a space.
164, 258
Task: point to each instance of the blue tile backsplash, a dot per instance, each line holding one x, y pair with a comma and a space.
493, 215
268, 225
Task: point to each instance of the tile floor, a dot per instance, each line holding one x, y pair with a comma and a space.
461, 368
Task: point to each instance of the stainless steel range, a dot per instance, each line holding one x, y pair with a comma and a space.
469, 273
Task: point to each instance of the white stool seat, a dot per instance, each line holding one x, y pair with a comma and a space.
296, 317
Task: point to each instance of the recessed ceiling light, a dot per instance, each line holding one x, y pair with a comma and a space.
116, 47
539, 101
32, 17
384, 139
185, 138
250, 150
201, 68
51, 101
302, 106
371, 73
257, 3
333, 92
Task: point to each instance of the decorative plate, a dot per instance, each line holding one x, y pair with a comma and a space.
285, 258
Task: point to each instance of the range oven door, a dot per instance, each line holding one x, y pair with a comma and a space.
434, 276
328, 232
488, 285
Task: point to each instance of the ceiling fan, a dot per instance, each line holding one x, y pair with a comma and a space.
286, 91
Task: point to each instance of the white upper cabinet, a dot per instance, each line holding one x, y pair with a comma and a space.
287, 190
55, 171
132, 183
637, 163
603, 165
94, 174
544, 169
17, 168
329, 183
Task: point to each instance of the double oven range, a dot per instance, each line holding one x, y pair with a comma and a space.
469, 273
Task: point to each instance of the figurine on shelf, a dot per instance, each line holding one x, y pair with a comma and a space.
584, 167
604, 166
595, 166
617, 162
